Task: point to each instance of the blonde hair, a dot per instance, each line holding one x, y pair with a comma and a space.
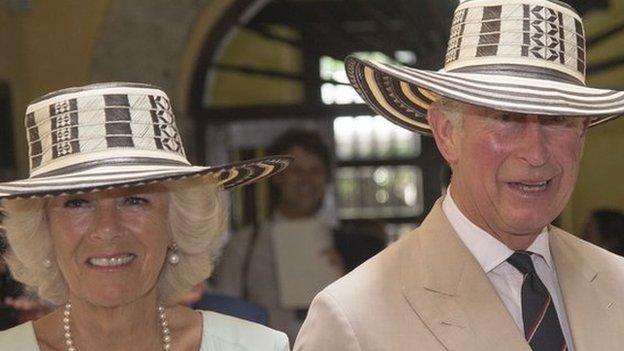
197, 220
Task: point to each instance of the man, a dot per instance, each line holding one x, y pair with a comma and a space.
486, 270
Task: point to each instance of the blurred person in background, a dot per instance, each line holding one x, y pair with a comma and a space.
281, 263
248, 266
605, 228
8, 288
202, 297
16, 305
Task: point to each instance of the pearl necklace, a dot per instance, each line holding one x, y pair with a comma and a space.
162, 317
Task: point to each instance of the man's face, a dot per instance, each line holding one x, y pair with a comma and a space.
302, 184
512, 173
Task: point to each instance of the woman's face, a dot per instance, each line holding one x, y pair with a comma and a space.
110, 245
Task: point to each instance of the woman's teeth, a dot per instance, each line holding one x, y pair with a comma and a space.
111, 262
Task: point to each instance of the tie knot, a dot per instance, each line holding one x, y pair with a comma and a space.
521, 260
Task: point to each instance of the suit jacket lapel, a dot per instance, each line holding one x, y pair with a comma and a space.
445, 285
596, 320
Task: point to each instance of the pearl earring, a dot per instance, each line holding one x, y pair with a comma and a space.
172, 256
47, 263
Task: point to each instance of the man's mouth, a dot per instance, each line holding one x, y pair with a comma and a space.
111, 261
530, 187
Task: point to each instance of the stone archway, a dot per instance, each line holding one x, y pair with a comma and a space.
157, 42
144, 40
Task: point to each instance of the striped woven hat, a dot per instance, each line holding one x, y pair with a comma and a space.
524, 56
110, 135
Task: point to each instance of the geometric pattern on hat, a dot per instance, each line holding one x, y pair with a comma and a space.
110, 135
525, 56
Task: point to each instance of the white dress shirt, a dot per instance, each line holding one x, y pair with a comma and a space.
507, 280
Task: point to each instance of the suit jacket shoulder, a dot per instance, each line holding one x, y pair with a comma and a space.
428, 292
592, 284
597, 257
365, 309
421, 292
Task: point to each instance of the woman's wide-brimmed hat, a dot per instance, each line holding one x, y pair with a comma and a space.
109, 135
524, 56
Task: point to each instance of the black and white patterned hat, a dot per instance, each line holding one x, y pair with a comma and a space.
525, 56
110, 135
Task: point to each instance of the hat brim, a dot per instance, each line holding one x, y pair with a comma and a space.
112, 175
403, 94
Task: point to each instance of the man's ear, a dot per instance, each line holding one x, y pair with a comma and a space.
446, 134
585, 125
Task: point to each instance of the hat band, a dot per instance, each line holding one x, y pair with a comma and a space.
520, 71
123, 161
108, 155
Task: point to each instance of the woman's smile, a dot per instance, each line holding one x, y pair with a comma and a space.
111, 262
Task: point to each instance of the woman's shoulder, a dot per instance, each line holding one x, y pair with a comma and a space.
219, 329
19, 338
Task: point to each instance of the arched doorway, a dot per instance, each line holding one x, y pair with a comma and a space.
273, 63
268, 65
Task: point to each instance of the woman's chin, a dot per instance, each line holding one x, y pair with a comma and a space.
109, 298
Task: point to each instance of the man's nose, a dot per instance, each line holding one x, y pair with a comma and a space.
107, 221
534, 147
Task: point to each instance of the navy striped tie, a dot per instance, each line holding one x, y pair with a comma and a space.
541, 325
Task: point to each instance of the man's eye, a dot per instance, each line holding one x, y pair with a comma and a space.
135, 200
75, 203
504, 117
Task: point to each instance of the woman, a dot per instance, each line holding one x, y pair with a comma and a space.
115, 226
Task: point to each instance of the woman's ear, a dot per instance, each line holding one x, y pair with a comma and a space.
445, 132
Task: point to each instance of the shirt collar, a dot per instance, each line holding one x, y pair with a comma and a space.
488, 250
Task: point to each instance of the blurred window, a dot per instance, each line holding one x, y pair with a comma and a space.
379, 192
378, 175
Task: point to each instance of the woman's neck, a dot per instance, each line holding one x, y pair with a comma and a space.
130, 326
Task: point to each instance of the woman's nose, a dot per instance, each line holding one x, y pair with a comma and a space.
107, 221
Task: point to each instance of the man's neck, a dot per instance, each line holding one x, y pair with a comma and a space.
514, 241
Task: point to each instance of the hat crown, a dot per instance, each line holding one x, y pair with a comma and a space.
541, 38
78, 126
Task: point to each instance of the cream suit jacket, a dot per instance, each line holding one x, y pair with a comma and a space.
427, 292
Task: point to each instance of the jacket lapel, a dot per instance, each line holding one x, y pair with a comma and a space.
447, 288
596, 320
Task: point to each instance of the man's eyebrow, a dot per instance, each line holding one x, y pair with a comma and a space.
491, 112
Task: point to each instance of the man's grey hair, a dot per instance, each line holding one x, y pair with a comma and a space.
196, 221
452, 109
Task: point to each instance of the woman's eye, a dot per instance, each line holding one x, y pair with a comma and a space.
135, 200
75, 203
